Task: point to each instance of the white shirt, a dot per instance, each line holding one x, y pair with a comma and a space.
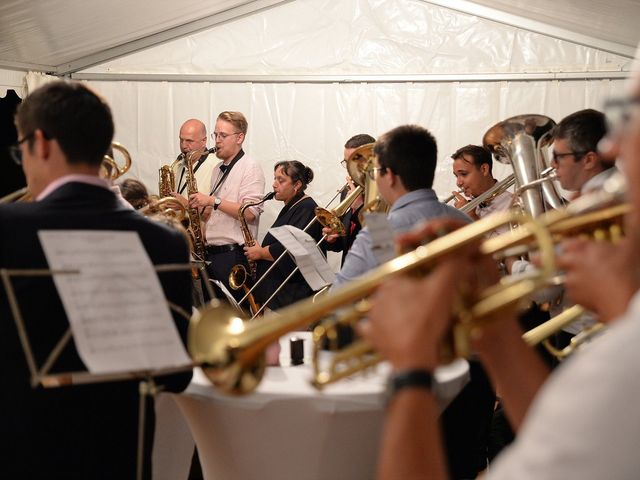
585, 421
202, 174
500, 203
245, 183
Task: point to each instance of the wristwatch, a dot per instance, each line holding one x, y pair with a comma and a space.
413, 378
216, 203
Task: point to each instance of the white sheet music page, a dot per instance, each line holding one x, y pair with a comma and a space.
118, 313
381, 236
313, 266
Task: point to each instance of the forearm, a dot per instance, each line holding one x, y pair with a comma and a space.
411, 444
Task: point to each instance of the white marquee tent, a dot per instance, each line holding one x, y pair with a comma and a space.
310, 73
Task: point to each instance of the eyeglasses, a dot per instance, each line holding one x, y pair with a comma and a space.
14, 150
557, 156
222, 135
343, 162
618, 111
373, 172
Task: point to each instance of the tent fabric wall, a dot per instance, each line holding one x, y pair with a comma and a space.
311, 122
12, 80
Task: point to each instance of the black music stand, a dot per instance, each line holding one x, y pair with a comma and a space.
41, 375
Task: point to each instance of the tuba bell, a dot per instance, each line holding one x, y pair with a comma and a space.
521, 142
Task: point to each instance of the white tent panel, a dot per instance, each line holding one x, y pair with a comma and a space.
311, 122
12, 80
360, 37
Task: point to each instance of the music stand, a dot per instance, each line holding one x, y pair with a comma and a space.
41, 376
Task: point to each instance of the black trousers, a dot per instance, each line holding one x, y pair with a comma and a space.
220, 266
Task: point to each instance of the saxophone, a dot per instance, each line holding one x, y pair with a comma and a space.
238, 275
197, 235
249, 241
167, 182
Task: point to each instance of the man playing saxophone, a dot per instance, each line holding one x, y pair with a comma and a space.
237, 178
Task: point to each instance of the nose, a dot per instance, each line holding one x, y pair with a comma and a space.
459, 182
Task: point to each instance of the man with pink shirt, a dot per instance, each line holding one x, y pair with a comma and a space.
236, 179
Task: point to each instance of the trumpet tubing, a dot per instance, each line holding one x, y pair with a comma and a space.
231, 350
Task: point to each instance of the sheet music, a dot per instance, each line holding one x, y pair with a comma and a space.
382, 241
309, 259
116, 308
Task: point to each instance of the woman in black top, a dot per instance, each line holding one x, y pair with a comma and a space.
290, 179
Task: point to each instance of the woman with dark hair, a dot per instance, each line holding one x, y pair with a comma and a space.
290, 180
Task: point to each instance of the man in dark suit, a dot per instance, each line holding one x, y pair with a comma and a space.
84, 431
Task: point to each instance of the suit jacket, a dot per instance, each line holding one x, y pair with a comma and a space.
84, 431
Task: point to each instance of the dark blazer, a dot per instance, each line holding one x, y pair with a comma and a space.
83, 431
299, 215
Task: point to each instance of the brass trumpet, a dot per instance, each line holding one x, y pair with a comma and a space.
231, 350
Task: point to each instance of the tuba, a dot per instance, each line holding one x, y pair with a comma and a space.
521, 142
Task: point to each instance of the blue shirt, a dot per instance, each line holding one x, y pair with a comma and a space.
408, 211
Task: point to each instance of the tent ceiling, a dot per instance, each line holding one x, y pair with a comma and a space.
63, 36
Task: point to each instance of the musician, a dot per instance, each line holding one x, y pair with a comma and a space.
350, 220
193, 136
237, 178
290, 181
82, 431
583, 422
134, 192
405, 166
472, 167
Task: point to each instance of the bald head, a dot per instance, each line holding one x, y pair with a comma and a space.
193, 135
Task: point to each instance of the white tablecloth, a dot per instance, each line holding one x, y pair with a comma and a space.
285, 430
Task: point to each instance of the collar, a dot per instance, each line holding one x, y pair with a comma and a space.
76, 177
595, 182
412, 196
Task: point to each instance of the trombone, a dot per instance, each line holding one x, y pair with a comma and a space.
231, 350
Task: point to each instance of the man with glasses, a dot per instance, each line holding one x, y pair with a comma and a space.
81, 431
236, 179
579, 166
405, 162
350, 220
583, 422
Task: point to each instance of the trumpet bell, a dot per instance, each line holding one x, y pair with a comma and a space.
213, 343
237, 276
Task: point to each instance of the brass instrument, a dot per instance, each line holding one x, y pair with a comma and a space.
231, 350
238, 275
199, 249
327, 218
452, 196
20, 195
498, 188
359, 164
110, 170
521, 141
167, 178
169, 212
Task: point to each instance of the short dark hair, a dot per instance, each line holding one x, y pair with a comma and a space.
480, 155
582, 130
409, 151
359, 140
69, 112
134, 192
297, 171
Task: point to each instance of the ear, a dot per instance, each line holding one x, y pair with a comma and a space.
41, 144
484, 169
591, 161
240, 138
